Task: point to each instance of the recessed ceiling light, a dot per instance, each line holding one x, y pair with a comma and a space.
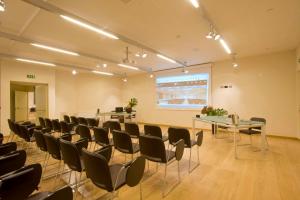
55, 49
225, 46
104, 65
35, 62
102, 73
195, 3
2, 6
165, 58
151, 76
74, 72
128, 66
89, 27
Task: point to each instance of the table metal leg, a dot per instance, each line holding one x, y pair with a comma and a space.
235, 143
263, 138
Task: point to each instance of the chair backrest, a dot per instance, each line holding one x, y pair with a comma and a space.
97, 169
53, 146
175, 134
84, 132
1, 138
7, 148
64, 193
65, 127
21, 183
122, 141
56, 125
74, 120
40, 140
101, 136
10, 125
92, 122
135, 171
82, 121
132, 129
153, 148
153, 130
114, 125
67, 119
71, 155
25, 134
12, 161
48, 123
42, 122
258, 119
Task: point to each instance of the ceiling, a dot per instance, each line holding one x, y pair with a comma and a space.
172, 27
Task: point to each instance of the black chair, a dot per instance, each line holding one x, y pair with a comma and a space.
84, 132
101, 137
21, 183
42, 122
74, 120
12, 131
12, 161
7, 148
155, 131
65, 127
153, 149
48, 124
41, 144
254, 130
132, 129
56, 125
82, 121
92, 122
67, 119
176, 134
27, 135
114, 125
64, 193
123, 143
112, 177
71, 153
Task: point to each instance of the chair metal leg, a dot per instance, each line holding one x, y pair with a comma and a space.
57, 175
76, 186
141, 191
46, 163
198, 162
250, 139
178, 168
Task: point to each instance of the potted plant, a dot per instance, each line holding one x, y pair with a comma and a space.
210, 111
132, 103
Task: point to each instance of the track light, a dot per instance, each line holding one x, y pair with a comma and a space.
195, 3
209, 35
2, 6
89, 27
104, 65
74, 72
102, 73
125, 80
151, 76
55, 49
35, 62
235, 65
128, 66
217, 36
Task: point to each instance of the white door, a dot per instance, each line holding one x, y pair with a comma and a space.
41, 101
21, 106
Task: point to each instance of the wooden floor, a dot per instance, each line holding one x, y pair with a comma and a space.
256, 175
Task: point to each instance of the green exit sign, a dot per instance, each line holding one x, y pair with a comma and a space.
31, 76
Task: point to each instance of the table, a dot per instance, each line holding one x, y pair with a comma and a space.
115, 113
227, 122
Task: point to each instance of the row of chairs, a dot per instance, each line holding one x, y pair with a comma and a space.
91, 122
19, 181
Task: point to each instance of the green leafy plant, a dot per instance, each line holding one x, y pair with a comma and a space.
210, 111
133, 102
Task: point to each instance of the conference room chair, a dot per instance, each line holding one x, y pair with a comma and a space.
254, 130
64, 193
7, 148
27, 135
74, 120
56, 125
42, 122
41, 144
92, 122
101, 137
48, 124
113, 177
153, 149
82, 121
123, 143
53, 148
65, 127
132, 129
12, 161
1, 138
176, 134
155, 131
20, 184
11, 131
114, 125
84, 132
67, 119
71, 154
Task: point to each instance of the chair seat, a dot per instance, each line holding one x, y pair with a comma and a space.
165, 138
39, 196
114, 170
249, 131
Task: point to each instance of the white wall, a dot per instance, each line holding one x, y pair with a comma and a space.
263, 86
16, 71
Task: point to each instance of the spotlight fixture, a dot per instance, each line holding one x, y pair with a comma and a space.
35, 62
102, 73
74, 72
195, 3
125, 80
104, 65
165, 58
2, 6
217, 36
55, 49
151, 76
89, 27
235, 65
141, 54
209, 35
225, 46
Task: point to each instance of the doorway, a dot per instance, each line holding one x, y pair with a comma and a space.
28, 101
